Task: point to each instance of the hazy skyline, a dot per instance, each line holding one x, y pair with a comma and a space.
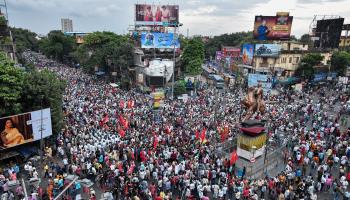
201, 17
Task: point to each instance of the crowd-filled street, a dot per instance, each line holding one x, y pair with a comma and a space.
111, 138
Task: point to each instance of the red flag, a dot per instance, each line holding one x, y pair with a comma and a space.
203, 134
223, 136
234, 157
155, 142
126, 124
197, 134
105, 119
121, 133
121, 120
129, 104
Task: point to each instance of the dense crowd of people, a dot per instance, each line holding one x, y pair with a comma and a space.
111, 137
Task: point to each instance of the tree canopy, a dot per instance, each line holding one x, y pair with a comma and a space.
107, 51
340, 61
57, 45
24, 39
23, 91
233, 39
11, 86
307, 64
193, 57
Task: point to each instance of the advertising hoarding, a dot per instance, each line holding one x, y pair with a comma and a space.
24, 128
218, 55
156, 15
247, 54
273, 27
159, 41
158, 98
267, 50
232, 52
328, 33
265, 80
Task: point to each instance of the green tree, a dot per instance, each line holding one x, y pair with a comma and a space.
24, 39
179, 87
340, 61
233, 39
193, 57
57, 45
11, 83
44, 90
108, 51
307, 64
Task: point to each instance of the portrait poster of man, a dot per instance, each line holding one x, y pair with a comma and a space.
273, 27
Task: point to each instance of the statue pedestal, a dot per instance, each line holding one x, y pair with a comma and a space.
251, 141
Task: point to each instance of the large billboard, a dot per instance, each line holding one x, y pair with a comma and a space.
273, 27
232, 52
24, 128
156, 15
247, 54
328, 33
264, 80
267, 50
159, 41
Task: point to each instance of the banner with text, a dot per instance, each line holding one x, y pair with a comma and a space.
273, 27
159, 41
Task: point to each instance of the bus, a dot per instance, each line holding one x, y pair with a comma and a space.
218, 81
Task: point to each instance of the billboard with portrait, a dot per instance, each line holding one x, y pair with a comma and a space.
267, 50
159, 41
24, 128
265, 80
273, 27
247, 54
156, 15
218, 56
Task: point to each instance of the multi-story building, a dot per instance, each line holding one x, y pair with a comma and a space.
344, 41
288, 60
66, 25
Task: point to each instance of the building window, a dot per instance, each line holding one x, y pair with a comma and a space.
296, 60
290, 59
283, 60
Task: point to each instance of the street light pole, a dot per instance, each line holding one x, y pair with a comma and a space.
174, 57
174, 63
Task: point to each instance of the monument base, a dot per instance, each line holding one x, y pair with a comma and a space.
248, 155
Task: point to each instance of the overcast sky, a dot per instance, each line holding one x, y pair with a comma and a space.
201, 17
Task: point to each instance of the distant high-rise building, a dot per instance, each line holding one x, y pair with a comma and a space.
67, 25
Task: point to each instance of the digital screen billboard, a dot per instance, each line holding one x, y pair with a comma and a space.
267, 50
159, 41
328, 33
273, 27
156, 15
265, 80
247, 54
24, 128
